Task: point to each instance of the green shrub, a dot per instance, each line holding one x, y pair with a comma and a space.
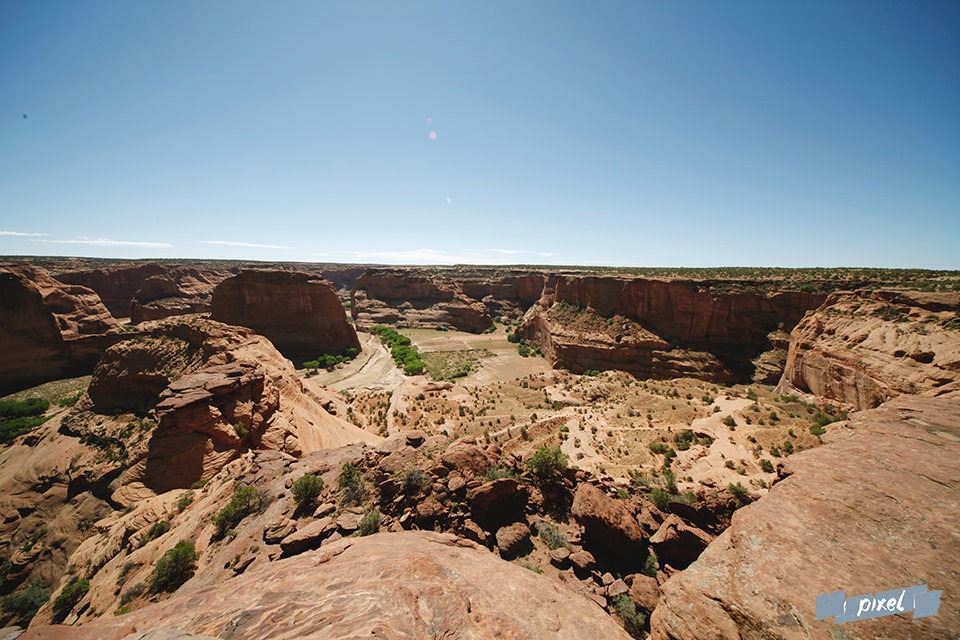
650, 565
370, 522
817, 430
684, 439
22, 605
155, 531
547, 462
185, 500
306, 489
591, 372
406, 356
730, 422
551, 535
495, 473
64, 603
245, 501
658, 447
414, 480
174, 568
739, 492
633, 619
351, 484
766, 465
660, 498
23, 408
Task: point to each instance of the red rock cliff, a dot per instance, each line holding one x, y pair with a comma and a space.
48, 330
661, 328
866, 347
301, 314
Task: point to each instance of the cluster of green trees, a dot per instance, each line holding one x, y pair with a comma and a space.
329, 361
19, 417
404, 354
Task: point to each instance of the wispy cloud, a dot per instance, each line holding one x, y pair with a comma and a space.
249, 245
104, 242
507, 252
545, 253
19, 234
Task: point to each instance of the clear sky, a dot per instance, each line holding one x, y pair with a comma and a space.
691, 133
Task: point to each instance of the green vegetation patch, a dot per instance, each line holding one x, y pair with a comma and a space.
404, 354
21, 416
450, 365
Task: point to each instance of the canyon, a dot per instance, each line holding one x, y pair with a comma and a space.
632, 454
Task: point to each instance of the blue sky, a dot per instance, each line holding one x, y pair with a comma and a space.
602, 133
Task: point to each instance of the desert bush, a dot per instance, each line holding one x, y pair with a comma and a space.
495, 473
414, 480
184, 500
370, 522
245, 501
766, 465
306, 489
551, 535
651, 564
658, 447
351, 484
174, 568
660, 498
154, 532
633, 619
134, 592
71, 594
547, 462
684, 439
739, 492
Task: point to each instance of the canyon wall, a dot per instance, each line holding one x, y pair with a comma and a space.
865, 347
408, 298
49, 330
662, 328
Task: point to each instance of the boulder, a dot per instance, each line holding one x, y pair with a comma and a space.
678, 544
498, 501
513, 540
645, 591
309, 536
609, 524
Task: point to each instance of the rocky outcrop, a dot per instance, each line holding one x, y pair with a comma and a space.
214, 391
49, 330
872, 511
408, 298
864, 348
299, 313
409, 585
660, 328
507, 296
176, 292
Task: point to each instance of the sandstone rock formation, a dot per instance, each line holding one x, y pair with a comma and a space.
178, 291
863, 348
48, 330
660, 328
874, 510
299, 313
407, 298
393, 585
213, 390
